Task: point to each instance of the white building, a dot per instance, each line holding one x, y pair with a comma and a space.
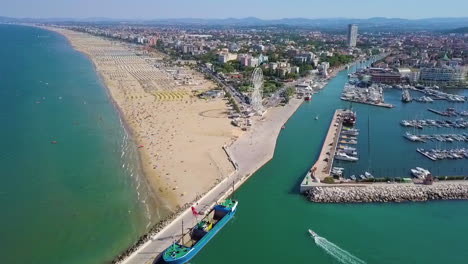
352, 35
324, 66
253, 62
446, 75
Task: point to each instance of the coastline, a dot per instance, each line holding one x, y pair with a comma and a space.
163, 210
211, 133
267, 127
265, 131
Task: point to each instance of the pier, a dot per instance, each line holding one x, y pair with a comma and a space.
260, 140
385, 105
388, 192
324, 163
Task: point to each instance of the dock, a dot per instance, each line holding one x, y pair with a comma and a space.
385, 105
323, 165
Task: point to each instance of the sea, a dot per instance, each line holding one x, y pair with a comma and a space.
71, 187
272, 220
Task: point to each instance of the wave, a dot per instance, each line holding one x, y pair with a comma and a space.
336, 252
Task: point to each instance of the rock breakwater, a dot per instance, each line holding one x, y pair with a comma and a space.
388, 193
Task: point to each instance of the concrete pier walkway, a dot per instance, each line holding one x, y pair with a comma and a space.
324, 163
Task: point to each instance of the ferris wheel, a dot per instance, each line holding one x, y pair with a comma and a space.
257, 91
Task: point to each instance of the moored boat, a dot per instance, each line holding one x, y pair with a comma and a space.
405, 96
345, 157
192, 242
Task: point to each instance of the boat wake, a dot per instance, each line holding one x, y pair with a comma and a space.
335, 251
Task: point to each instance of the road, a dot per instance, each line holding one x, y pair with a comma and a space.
272, 101
238, 96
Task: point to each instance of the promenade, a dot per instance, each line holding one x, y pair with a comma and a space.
321, 169
249, 153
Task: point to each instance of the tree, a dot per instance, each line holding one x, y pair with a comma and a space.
304, 69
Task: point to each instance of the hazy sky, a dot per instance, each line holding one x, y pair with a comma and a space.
268, 9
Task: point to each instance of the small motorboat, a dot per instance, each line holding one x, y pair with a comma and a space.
316, 117
312, 233
368, 175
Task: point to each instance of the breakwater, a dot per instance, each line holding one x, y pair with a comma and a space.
384, 193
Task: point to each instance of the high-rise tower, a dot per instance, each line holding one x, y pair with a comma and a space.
352, 35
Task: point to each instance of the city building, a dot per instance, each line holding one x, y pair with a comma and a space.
243, 59
224, 57
253, 62
352, 35
386, 77
262, 59
446, 75
324, 66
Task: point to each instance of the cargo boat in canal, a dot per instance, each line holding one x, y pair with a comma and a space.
192, 242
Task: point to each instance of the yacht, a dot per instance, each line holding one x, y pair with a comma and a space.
346, 148
368, 175
405, 96
312, 233
345, 157
412, 137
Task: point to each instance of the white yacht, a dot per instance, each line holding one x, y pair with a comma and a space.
345, 157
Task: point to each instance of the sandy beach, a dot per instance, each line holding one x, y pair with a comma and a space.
179, 136
183, 141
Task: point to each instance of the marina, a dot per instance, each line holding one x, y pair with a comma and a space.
300, 145
450, 112
322, 167
435, 93
422, 123
372, 95
341, 127
437, 137
441, 154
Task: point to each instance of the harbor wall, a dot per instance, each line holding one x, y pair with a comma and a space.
383, 193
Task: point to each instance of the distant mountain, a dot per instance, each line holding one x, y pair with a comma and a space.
374, 23
462, 30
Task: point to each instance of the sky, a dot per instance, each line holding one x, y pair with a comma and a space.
265, 9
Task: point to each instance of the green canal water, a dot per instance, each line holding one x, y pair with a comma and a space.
272, 218
79, 200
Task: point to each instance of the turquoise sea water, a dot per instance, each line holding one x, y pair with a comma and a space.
272, 219
75, 201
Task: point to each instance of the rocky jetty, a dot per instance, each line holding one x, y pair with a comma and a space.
388, 193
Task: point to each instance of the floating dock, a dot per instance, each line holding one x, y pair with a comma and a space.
323, 165
369, 103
